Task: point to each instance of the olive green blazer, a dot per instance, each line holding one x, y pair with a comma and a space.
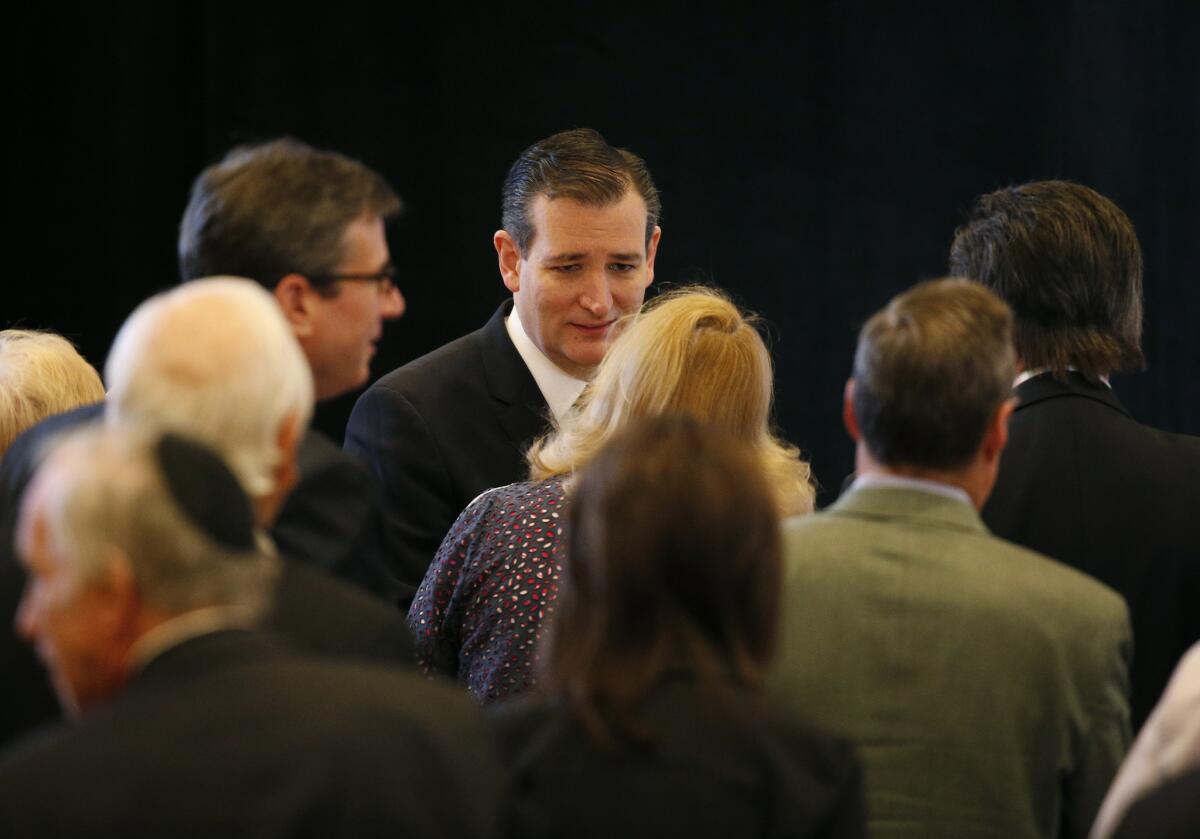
986, 686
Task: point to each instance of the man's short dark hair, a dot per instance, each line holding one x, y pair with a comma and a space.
932, 368
1068, 262
577, 164
282, 207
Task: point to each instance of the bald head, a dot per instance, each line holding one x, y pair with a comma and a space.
214, 359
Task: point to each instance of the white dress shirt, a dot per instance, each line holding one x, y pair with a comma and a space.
559, 389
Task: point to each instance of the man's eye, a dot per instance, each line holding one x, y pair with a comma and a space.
565, 269
622, 267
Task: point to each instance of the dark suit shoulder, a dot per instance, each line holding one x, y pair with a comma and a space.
233, 733
460, 360
758, 771
323, 615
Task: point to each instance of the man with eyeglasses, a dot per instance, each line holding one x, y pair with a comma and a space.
308, 225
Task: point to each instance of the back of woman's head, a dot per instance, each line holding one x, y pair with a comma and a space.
689, 352
673, 561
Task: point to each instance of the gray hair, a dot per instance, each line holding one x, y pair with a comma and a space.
103, 496
215, 360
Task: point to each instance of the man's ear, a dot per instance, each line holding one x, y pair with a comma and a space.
996, 437
849, 419
651, 252
120, 606
296, 298
509, 257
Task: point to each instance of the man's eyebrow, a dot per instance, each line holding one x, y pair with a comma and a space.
625, 257
565, 257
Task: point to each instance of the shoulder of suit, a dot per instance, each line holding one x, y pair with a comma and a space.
461, 354
1036, 580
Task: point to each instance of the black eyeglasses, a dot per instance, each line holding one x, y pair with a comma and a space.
385, 280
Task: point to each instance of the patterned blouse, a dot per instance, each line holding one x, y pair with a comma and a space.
478, 614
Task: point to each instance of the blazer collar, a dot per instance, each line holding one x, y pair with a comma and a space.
896, 503
1046, 386
209, 652
524, 413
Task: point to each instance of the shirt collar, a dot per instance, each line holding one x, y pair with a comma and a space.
559, 389
905, 482
1026, 375
174, 631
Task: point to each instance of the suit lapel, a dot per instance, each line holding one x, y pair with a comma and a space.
521, 410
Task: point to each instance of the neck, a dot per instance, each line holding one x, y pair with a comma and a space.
971, 479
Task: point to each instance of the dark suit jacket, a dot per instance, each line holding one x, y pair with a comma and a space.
722, 765
233, 734
314, 610
335, 520
1081, 481
442, 429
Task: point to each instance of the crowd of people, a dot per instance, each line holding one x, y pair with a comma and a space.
565, 578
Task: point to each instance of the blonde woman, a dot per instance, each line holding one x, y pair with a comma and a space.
41, 374
478, 614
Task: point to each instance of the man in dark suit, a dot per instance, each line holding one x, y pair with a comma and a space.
1081, 480
308, 225
984, 685
577, 252
146, 583
216, 360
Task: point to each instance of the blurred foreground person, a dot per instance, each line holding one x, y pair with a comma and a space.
1166, 749
215, 360
477, 616
985, 686
145, 580
648, 719
41, 375
1082, 481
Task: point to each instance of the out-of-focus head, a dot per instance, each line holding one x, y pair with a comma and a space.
308, 225
663, 570
1068, 262
118, 532
215, 360
690, 352
578, 243
931, 371
41, 374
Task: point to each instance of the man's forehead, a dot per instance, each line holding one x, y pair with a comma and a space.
617, 226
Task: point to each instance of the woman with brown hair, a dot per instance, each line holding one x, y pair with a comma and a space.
649, 720
478, 614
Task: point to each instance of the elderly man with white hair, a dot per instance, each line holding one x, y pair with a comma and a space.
215, 359
145, 578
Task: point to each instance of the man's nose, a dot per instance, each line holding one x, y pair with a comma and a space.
596, 296
392, 305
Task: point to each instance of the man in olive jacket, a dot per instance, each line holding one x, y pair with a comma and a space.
985, 685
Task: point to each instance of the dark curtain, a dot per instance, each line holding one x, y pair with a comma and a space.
813, 162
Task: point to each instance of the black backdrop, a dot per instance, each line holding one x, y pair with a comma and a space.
812, 162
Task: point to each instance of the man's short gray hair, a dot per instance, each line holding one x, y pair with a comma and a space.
103, 495
216, 360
